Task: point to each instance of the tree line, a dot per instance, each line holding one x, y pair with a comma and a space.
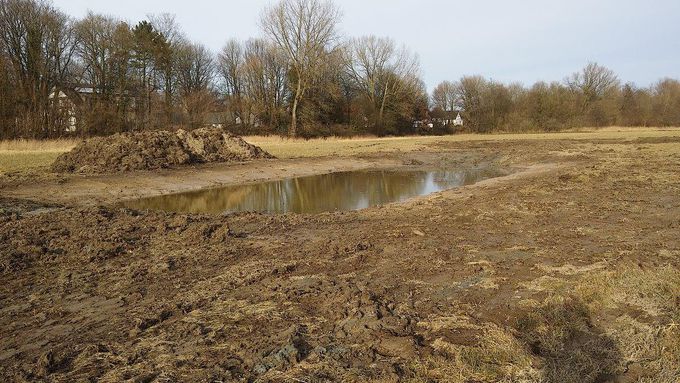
591, 97
100, 75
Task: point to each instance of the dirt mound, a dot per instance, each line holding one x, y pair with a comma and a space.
154, 150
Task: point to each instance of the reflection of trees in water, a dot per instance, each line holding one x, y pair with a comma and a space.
348, 191
327, 192
203, 201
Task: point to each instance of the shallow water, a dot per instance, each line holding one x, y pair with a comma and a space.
315, 194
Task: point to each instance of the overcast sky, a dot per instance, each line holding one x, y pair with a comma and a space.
521, 40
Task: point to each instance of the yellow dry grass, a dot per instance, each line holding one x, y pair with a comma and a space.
26, 155
334, 146
651, 340
21, 145
497, 357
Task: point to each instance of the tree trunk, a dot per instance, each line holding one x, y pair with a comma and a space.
382, 111
292, 130
168, 97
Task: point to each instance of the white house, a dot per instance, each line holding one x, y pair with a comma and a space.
68, 100
458, 121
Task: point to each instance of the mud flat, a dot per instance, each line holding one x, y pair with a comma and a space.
566, 270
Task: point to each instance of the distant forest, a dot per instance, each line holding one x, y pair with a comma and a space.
99, 75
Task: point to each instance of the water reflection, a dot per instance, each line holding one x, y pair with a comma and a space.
327, 192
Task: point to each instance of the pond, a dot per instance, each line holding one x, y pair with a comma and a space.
353, 190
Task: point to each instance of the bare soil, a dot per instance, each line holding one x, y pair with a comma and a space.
155, 150
566, 270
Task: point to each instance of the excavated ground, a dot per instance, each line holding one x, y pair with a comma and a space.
567, 270
155, 150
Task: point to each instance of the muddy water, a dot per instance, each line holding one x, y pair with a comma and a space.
314, 194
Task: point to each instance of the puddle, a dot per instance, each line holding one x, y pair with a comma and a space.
353, 190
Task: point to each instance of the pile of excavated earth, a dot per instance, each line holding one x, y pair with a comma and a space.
154, 150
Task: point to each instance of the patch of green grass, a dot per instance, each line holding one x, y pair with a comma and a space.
20, 161
30, 155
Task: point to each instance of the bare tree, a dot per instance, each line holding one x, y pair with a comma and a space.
102, 53
382, 71
8, 98
474, 98
444, 96
195, 73
266, 80
196, 68
666, 104
167, 26
304, 30
254, 77
593, 82
325, 96
230, 66
96, 37
39, 43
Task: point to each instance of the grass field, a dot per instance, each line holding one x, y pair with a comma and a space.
293, 148
17, 161
27, 155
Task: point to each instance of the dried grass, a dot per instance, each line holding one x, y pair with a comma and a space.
23, 145
497, 357
26, 155
297, 147
650, 340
